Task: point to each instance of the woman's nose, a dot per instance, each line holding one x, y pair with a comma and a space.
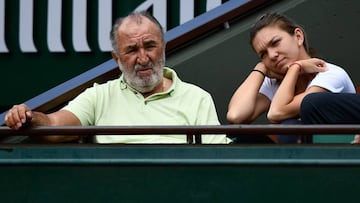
273, 53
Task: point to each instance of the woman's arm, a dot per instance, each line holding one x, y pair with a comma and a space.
247, 104
286, 102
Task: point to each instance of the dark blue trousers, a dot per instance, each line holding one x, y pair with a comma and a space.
330, 108
287, 139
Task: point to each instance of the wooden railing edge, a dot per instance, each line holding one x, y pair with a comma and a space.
249, 129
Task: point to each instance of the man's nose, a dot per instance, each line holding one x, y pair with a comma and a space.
142, 57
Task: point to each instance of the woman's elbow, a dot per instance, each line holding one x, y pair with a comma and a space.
231, 117
235, 118
274, 116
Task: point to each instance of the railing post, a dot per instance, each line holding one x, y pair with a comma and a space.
198, 139
189, 139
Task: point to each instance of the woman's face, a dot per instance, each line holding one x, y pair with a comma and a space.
277, 48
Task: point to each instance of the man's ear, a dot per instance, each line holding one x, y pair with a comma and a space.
114, 56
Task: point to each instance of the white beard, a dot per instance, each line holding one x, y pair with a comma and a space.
143, 84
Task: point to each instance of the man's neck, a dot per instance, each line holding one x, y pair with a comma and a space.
163, 86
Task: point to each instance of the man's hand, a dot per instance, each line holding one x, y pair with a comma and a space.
18, 116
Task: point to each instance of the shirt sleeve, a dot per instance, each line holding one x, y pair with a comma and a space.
335, 79
83, 106
269, 87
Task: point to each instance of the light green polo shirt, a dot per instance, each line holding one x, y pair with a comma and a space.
116, 103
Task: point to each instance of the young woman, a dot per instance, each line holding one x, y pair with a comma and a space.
286, 73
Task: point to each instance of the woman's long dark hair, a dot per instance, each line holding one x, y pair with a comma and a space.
283, 23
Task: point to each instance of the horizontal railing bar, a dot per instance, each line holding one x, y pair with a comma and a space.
192, 162
253, 129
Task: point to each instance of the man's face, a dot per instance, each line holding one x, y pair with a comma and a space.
141, 54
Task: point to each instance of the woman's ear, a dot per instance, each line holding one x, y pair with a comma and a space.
299, 34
